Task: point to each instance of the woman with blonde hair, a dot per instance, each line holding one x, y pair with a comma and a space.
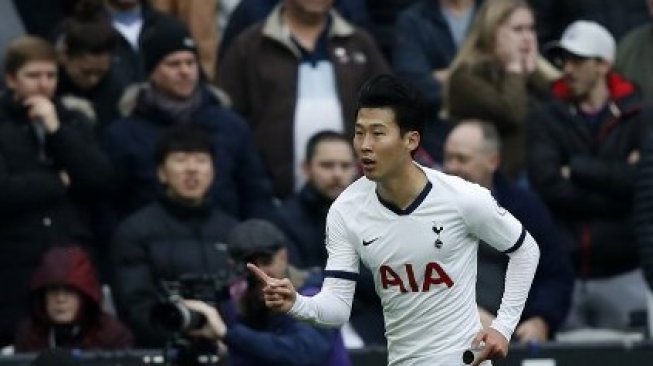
496, 74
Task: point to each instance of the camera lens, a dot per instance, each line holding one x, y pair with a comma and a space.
176, 317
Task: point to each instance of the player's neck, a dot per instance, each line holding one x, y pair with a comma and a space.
403, 188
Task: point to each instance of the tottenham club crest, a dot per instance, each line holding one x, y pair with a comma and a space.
437, 230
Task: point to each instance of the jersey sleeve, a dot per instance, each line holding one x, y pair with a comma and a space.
490, 222
343, 259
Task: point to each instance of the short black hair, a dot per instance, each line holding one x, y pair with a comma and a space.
407, 103
88, 30
322, 136
183, 138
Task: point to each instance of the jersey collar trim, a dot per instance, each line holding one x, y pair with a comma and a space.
412, 207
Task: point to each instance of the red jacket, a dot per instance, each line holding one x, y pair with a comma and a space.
70, 266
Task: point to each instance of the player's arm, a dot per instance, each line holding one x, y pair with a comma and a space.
497, 227
331, 307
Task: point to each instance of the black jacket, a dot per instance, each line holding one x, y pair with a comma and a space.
595, 204
303, 219
37, 210
241, 187
164, 241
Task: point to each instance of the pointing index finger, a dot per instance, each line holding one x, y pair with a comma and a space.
259, 273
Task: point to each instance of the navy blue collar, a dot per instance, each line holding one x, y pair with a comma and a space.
412, 207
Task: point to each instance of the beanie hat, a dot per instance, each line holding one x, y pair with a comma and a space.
165, 37
255, 237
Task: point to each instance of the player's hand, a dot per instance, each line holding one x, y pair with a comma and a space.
279, 294
533, 329
495, 345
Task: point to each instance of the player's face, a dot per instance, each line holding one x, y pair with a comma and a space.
188, 175
381, 149
332, 168
34, 78
465, 155
177, 74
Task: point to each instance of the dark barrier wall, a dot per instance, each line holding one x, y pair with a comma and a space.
608, 354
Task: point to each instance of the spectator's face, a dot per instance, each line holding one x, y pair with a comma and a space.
381, 149
34, 78
466, 156
177, 74
332, 167
650, 7
188, 175
86, 71
276, 266
62, 305
583, 74
311, 7
518, 31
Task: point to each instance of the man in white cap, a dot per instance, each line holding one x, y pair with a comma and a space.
583, 154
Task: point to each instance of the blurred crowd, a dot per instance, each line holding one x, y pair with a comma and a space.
150, 149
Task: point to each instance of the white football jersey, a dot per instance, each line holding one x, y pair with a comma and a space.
423, 260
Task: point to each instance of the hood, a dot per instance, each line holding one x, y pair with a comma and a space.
619, 88
69, 266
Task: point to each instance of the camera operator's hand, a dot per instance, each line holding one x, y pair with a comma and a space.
215, 328
279, 294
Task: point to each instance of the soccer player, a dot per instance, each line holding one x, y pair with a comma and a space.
418, 231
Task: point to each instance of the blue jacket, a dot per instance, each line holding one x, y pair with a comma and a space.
282, 340
241, 187
550, 295
423, 43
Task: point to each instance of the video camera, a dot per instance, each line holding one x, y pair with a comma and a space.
173, 316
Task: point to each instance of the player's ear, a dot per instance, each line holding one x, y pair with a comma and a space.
411, 140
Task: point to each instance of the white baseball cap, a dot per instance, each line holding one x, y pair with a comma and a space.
587, 39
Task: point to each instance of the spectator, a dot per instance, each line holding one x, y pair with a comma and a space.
256, 336
249, 12
472, 153
329, 168
86, 45
65, 307
132, 19
427, 36
180, 234
584, 148
175, 95
635, 55
199, 16
294, 75
50, 167
496, 74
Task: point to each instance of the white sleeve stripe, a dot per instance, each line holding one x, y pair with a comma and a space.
345, 275
519, 242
